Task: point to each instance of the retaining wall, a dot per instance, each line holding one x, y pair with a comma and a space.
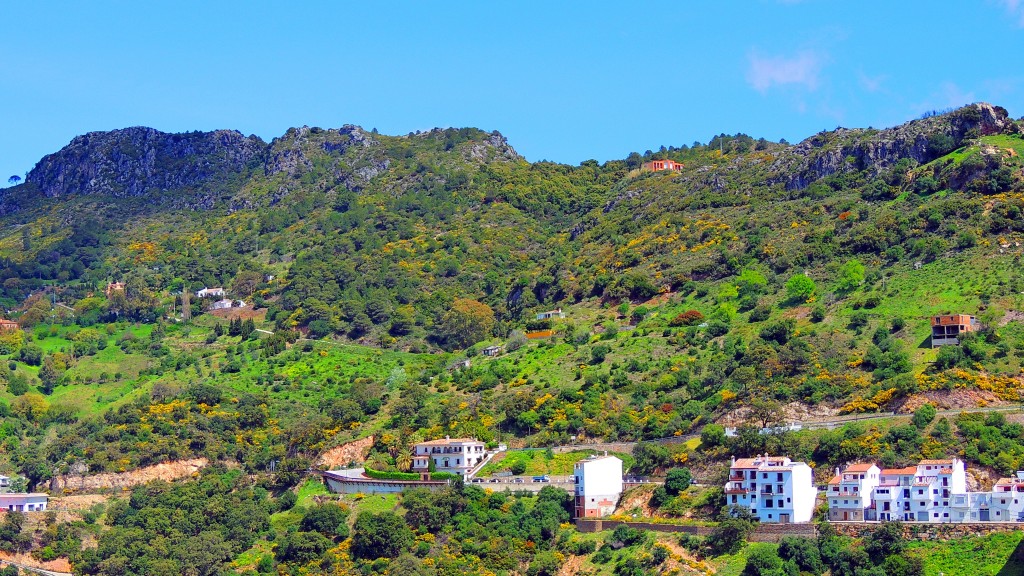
775, 532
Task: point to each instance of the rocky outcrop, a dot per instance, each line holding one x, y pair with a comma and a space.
139, 161
166, 471
829, 153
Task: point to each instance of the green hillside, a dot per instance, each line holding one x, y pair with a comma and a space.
763, 283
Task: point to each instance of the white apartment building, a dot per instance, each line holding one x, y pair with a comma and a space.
22, 502
850, 492
598, 486
932, 491
774, 488
891, 497
455, 455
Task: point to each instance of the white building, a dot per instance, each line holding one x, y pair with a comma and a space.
1006, 501
551, 314
850, 492
455, 455
598, 486
932, 491
5, 481
227, 303
210, 293
22, 502
774, 488
891, 498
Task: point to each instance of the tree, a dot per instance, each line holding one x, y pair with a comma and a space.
246, 282
649, 456
851, 275
49, 375
924, 415
466, 323
763, 561
712, 435
14, 179
678, 480
799, 288
328, 519
383, 535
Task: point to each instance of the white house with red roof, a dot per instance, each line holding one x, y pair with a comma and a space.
932, 491
773, 488
850, 492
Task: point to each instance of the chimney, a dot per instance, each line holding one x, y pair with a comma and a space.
447, 438
733, 460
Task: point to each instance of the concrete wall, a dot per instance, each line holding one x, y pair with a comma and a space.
341, 485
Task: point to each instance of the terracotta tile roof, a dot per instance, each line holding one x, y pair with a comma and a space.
835, 480
899, 471
862, 467
934, 462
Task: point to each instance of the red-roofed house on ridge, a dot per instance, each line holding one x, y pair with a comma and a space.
8, 325
659, 165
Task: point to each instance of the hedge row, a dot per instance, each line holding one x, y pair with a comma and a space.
379, 475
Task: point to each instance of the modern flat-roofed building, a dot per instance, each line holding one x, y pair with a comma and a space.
598, 486
946, 329
22, 502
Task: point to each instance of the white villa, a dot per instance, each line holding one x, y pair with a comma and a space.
774, 488
210, 293
598, 486
22, 502
455, 455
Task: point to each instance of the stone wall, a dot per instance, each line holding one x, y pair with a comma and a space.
927, 531
775, 532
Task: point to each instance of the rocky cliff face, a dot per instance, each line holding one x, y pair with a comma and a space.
142, 161
844, 150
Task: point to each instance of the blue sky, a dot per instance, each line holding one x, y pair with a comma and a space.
564, 81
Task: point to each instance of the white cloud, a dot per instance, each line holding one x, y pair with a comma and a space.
1015, 9
870, 83
802, 69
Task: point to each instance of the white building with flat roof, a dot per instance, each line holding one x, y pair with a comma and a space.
598, 486
455, 455
22, 502
773, 488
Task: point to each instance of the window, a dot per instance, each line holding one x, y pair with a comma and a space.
779, 503
835, 502
846, 501
945, 514
769, 516
788, 500
778, 476
764, 476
